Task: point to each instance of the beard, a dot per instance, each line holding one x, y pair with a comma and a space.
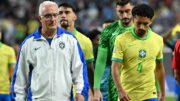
141, 32
126, 21
64, 24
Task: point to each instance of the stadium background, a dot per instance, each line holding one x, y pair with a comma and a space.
18, 18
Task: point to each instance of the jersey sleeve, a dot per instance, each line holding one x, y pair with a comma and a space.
176, 57
12, 57
103, 51
117, 54
89, 52
100, 66
79, 71
159, 57
20, 77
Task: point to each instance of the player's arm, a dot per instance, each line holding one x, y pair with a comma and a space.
102, 54
117, 59
90, 67
20, 77
100, 66
12, 62
90, 63
167, 38
11, 70
101, 60
99, 70
116, 77
160, 75
79, 72
160, 72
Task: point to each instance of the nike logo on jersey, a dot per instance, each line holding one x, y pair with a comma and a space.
37, 48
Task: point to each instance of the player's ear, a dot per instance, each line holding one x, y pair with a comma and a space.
75, 17
40, 18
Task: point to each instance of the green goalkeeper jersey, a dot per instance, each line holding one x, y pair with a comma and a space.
105, 49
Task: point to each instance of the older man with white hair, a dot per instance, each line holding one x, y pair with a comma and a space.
49, 62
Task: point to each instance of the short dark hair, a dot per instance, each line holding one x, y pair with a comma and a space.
123, 2
68, 5
143, 10
93, 33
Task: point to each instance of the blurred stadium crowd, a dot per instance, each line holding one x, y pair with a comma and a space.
18, 18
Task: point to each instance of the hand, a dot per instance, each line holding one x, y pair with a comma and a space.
90, 98
161, 97
79, 97
97, 95
124, 96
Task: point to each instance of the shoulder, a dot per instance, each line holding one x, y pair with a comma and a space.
66, 36
8, 48
109, 28
125, 35
28, 40
157, 36
106, 34
83, 38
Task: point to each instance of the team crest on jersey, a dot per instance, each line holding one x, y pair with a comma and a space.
62, 45
142, 53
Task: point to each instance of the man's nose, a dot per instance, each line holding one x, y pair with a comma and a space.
124, 15
63, 14
141, 26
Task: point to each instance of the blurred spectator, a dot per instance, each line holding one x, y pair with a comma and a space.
94, 35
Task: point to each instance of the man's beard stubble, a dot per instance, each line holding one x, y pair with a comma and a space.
64, 24
126, 21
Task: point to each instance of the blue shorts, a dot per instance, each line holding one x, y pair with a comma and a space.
5, 97
152, 99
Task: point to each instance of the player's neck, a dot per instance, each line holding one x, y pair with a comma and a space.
48, 34
71, 28
141, 35
127, 25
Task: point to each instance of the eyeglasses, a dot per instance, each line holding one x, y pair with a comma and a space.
50, 16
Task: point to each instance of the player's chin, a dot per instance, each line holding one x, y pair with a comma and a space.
52, 27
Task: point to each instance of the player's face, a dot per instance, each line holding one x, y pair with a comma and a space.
141, 24
96, 40
124, 13
67, 17
50, 17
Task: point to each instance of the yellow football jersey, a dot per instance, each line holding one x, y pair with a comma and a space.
86, 46
138, 57
7, 57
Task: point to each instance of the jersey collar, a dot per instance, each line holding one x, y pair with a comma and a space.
137, 37
37, 33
